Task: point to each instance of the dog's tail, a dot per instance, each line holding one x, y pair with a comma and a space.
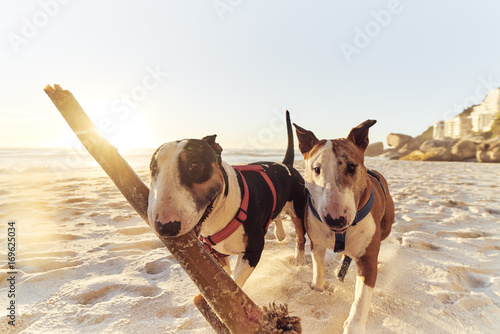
290, 154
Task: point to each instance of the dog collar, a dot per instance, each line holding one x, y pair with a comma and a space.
360, 215
241, 214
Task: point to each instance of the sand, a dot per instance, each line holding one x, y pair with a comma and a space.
86, 263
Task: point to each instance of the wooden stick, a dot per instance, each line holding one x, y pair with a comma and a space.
209, 315
236, 310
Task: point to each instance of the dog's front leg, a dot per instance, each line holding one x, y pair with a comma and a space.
279, 231
242, 270
365, 282
300, 237
318, 257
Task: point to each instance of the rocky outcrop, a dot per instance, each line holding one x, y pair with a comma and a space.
489, 151
397, 140
433, 144
433, 154
469, 148
374, 149
465, 149
431, 150
411, 145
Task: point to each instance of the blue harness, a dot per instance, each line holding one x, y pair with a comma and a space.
360, 215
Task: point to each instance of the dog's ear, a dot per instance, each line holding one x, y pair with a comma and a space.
306, 138
359, 134
210, 140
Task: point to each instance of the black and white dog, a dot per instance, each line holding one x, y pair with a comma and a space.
230, 207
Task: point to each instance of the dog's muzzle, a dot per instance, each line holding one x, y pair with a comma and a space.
173, 228
337, 224
170, 229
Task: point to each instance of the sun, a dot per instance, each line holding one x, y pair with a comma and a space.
130, 134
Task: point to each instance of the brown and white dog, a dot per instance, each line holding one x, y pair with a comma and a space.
349, 210
229, 206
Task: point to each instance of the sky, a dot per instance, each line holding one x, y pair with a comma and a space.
150, 72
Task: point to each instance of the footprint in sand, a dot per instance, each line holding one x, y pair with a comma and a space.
492, 211
39, 262
134, 230
168, 312
463, 234
490, 248
72, 200
102, 291
158, 266
463, 279
46, 254
418, 244
34, 239
466, 288
136, 246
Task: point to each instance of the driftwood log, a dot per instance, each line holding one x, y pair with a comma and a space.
235, 312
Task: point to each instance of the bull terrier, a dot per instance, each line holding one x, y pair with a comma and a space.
349, 210
230, 207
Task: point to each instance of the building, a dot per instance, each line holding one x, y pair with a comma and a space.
484, 114
479, 119
457, 127
438, 131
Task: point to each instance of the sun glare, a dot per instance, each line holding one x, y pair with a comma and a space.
132, 134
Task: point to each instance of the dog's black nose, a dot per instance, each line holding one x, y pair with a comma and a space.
170, 229
335, 223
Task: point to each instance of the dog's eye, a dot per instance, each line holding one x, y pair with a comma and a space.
194, 165
317, 170
351, 168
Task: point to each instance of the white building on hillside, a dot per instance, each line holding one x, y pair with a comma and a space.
480, 119
438, 131
484, 114
457, 127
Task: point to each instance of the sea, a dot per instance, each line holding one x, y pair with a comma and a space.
32, 160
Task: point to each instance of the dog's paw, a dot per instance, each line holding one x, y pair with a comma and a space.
319, 287
300, 258
352, 327
279, 234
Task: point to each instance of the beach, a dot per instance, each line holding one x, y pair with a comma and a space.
85, 262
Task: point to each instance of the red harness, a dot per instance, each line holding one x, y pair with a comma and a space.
241, 214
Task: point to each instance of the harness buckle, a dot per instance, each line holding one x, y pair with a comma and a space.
239, 218
209, 239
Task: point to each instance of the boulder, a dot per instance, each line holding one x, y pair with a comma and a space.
374, 149
414, 156
489, 151
435, 154
391, 154
412, 145
440, 154
478, 138
465, 149
397, 140
432, 144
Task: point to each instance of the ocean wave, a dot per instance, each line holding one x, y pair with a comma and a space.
64, 160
